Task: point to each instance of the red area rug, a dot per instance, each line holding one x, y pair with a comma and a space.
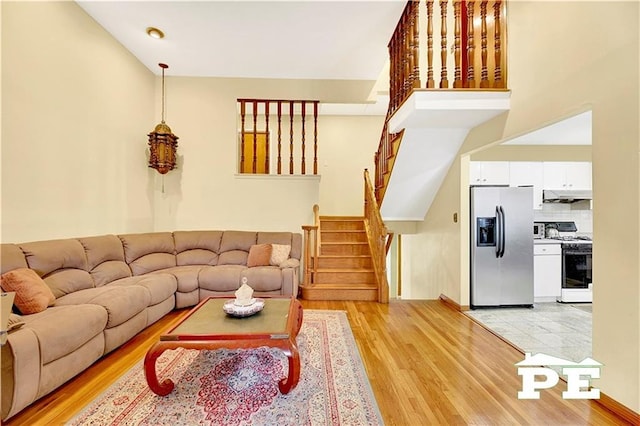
240, 387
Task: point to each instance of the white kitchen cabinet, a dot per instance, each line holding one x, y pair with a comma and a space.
567, 175
528, 173
547, 272
489, 173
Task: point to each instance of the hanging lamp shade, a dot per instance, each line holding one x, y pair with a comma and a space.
162, 142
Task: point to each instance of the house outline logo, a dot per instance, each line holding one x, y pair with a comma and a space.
538, 365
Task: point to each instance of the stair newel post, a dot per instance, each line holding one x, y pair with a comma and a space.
242, 133
307, 253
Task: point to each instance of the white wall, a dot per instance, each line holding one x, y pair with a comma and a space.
76, 111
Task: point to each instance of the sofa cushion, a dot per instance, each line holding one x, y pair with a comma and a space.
159, 285
290, 263
259, 255
221, 277
279, 253
11, 257
263, 278
148, 252
186, 276
121, 302
285, 238
105, 258
63, 329
62, 264
197, 247
32, 294
237, 240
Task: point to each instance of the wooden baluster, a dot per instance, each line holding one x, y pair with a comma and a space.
430, 81
407, 68
242, 133
392, 60
415, 19
279, 137
497, 75
457, 56
303, 105
484, 79
290, 137
315, 137
471, 77
255, 136
444, 82
267, 137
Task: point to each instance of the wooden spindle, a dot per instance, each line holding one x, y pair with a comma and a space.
315, 137
484, 74
290, 137
267, 137
242, 133
497, 73
406, 52
457, 56
415, 19
279, 137
471, 77
444, 82
430, 81
303, 105
255, 136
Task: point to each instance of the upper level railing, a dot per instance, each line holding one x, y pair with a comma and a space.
276, 133
424, 50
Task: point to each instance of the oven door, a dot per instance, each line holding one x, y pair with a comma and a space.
576, 267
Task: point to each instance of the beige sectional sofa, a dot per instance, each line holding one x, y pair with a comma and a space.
108, 288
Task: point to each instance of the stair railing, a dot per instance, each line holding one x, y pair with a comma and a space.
432, 39
311, 248
378, 238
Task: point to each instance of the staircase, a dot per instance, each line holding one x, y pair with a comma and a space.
343, 268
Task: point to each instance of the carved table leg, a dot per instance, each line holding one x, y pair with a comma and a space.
293, 357
158, 388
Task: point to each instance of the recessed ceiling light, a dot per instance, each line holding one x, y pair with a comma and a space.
154, 33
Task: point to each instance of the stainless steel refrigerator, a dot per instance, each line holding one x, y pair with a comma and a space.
501, 246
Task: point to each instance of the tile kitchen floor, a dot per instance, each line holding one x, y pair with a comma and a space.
556, 329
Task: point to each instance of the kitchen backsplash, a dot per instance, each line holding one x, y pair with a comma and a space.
579, 212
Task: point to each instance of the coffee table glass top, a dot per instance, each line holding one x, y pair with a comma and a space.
209, 321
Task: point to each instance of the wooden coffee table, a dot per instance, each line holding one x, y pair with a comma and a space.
208, 327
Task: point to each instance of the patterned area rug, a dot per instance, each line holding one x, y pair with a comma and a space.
240, 387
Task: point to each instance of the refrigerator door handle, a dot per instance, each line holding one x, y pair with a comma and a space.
498, 232
503, 242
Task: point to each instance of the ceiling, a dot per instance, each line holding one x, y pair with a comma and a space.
574, 130
303, 39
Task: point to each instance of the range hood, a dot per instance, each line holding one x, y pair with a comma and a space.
566, 195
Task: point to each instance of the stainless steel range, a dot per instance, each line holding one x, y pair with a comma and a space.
577, 285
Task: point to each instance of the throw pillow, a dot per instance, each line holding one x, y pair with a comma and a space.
259, 255
279, 253
33, 295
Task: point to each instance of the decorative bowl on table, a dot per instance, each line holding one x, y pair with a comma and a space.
240, 309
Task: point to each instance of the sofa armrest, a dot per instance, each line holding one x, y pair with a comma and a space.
21, 366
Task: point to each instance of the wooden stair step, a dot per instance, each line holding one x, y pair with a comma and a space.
345, 248
323, 291
344, 261
346, 276
332, 224
345, 235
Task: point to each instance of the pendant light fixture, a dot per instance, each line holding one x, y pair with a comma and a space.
162, 143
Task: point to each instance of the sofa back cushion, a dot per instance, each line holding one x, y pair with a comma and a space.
105, 259
62, 264
11, 257
235, 246
284, 238
148, 252
197, 247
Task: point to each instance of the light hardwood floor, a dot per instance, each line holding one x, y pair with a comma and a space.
427, 363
